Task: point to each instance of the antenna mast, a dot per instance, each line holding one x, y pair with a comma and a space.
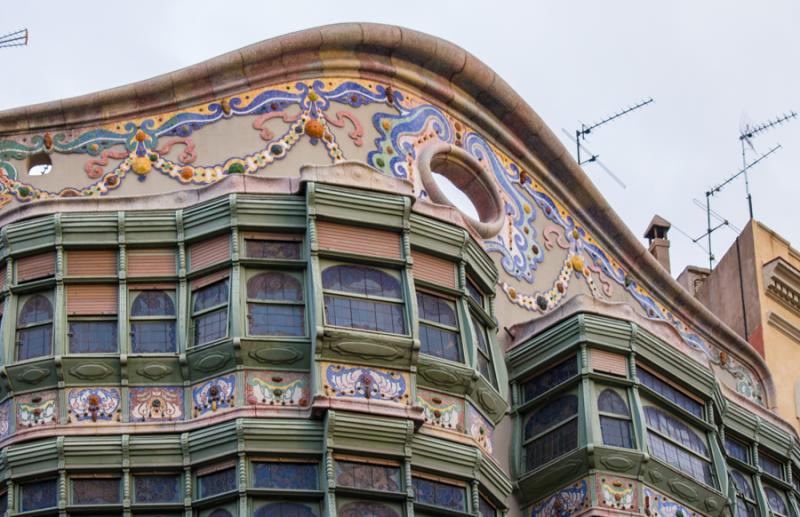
14, 39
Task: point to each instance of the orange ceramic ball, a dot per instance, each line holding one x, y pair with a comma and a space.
315, 129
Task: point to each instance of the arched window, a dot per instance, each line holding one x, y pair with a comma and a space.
210, 312
221, 513
35, 328
365, 509
551, 431
438, 327
275, 305
615, 419
363, 298
673, 442
153, 322
284, 510
745, 499
776, 501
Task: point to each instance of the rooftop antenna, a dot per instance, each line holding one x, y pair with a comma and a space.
580, 134
715, 190
746, 136
14, 39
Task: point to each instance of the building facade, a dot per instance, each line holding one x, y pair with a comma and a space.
240, 289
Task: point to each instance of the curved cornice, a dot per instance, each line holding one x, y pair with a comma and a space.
441, 71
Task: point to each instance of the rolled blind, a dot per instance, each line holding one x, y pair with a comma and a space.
434, 269
36, 266
209, 252
358, 239
609, 362
92, 263
91, 299
153, 262
209, 279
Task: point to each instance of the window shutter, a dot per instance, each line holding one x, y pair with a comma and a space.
609, 362
36, 266
358, 239
434, 269
91, 299
92, 263
210, 279
153, 262
210, 252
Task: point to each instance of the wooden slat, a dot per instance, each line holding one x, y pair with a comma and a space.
210, 252
272, 236
91, 299
434, 269
152, 286
36, 266
609, 362
210, 279
359, 239
152, 262
92, 263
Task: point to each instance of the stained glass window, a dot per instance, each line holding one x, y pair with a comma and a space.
549, 379
438, 327
615, 420
385, 478
285, 476
157, 488
770, 465
38, 494
92, 336
153, 323
485, 508
220, 513
736, 449
366, 509
363, 298
285, 510
551, 431
217, 482
484, 356
673, 442
95, 491
745, 498
436, 493
273, 249
275, 305
776, 501
670, 392
474, 293
210, 313
35, 328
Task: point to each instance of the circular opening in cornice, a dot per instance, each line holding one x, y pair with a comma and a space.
469, 178
39, 164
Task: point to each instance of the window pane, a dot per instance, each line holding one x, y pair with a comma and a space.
549, 379
437, 310
670, 426
280, 475
770, 465
435, 493
95, 491
365, 314
284, 510
681, 459
210, 326
277, 250
366, 509
552, 445
736, 450
609, 401
34, 342
36, 309
776, 501
742, 484
39, 494
152, 303
485, 509
217, 482
474, 293
275, 286
157, 489
616, 432
669, 392
361, 280
440, 343
487, 369
275, 320
211, 296
87, 337
550, 414
745, 508
152, 337
385, 478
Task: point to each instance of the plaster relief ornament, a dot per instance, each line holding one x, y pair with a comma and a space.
658, 505
156, 404
93, 404
564, 503
37, 410
215, 394
365, 383
277, 389
480, 429
441, 410
617, 493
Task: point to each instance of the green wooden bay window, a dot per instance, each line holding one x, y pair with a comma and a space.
363, 298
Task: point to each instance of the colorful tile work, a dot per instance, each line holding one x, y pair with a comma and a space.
5, 418
567, 501
37, 409
361, 382
619, 493
156, 403
93, 405
440, 410
480, 429
658, 505
215, 394
277, 388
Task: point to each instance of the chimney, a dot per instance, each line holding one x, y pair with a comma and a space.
658, 244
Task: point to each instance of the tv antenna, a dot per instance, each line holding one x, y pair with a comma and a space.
580, 134
14, 39
746, 136
715, 190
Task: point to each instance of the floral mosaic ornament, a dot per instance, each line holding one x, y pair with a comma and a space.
443, 411
361, 382
93, 404
617, 493
479, 428
567, 501
215, 394
5, 418
156, 404
658, 505
38, 409
277, 388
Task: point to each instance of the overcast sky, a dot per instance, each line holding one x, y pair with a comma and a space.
711, 66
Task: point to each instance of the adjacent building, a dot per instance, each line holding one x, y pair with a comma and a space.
241, 289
